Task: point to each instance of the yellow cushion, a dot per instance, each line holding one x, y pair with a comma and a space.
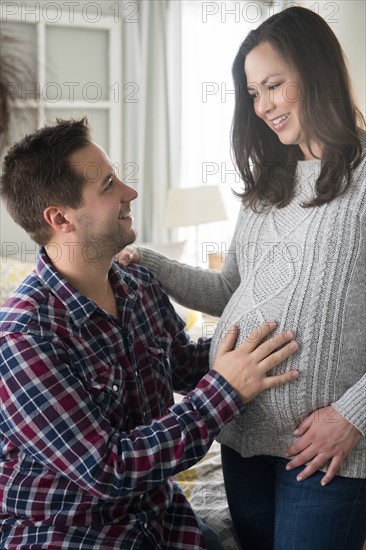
12, 273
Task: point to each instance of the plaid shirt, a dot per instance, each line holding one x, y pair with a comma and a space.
89, 435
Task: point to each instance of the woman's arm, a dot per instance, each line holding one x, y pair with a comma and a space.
193, 287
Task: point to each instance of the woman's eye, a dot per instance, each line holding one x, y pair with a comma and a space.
273, 86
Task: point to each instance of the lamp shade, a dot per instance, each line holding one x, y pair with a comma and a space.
194, 206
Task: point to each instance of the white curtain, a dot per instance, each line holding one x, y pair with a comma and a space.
178, 99
151, 110
211, 35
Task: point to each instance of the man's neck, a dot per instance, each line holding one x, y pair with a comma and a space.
90, 278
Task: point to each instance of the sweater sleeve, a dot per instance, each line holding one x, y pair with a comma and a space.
194, 287
352, 405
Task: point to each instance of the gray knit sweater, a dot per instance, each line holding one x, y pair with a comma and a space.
306, 269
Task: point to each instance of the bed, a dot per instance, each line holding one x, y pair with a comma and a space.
203, 485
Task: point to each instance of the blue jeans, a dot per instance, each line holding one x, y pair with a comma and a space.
273, 511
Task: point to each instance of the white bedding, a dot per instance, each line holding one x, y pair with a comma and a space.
203, 485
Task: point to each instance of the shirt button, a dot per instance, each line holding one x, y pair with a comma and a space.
146, 525
115, 387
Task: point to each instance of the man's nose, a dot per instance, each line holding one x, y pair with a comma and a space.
128, 193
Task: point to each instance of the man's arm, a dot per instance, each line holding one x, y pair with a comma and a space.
49, 414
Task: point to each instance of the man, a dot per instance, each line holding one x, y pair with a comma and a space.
90, 352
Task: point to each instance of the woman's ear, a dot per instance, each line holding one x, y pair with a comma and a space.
58, 219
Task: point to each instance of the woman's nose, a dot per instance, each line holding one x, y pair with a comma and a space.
264, 103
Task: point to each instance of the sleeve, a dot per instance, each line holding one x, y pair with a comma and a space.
193, 287
49, 414
352, 405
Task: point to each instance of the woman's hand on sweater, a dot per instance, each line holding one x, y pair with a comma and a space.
324, 436
129, 254
246, 366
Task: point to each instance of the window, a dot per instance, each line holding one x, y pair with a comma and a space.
50, 35
90, 84
211, 35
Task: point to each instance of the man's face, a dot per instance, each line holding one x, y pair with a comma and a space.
104, 222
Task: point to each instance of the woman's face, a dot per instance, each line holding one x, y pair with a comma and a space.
276, 90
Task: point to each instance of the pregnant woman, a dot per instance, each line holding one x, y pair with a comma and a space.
295, 463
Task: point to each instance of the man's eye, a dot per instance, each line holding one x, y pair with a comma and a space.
109, 183
273, 86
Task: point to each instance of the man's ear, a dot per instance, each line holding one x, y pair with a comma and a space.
57, 218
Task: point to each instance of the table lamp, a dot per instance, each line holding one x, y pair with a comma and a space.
193, 206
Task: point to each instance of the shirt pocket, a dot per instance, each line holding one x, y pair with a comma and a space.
159, 381
105, 380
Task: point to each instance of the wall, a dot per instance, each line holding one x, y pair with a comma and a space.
347, 18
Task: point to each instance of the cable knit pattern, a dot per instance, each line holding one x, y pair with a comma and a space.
306, 269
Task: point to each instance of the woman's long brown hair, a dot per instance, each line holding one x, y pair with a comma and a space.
328, 113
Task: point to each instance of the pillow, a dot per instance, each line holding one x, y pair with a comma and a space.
12, 273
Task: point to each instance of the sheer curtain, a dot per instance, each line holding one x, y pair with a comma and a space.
176, 122
152, 110
211, 35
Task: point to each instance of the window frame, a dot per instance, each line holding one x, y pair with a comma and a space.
112, 105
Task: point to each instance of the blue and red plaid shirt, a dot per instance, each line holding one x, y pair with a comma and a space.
89, 434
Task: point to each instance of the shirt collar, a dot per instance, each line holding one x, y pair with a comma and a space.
79, 306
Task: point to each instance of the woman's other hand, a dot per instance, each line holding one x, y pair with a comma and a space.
324, 436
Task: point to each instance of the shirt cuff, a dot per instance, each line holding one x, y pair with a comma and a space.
216, 401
